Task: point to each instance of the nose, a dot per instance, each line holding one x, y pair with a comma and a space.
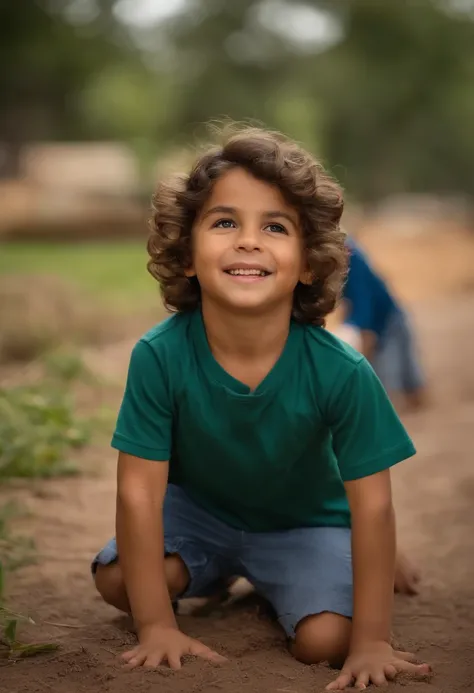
249, 238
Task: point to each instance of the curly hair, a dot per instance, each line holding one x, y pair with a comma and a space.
274, 159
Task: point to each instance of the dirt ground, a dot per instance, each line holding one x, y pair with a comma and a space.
71, 519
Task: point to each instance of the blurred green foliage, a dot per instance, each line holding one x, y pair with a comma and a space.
38, 428
382, 91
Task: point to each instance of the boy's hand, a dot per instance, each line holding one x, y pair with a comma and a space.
158, 644
376, 663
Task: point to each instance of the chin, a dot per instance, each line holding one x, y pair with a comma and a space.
251, 307
246, 301
243, 303
247, 306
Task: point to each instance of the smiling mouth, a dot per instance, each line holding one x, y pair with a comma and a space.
241, 272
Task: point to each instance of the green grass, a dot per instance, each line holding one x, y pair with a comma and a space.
110, 270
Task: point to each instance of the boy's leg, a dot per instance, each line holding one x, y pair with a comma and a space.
306, 574
198, 549
110, 584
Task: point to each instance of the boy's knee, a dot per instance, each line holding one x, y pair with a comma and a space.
177, 575
322, 638
110, 584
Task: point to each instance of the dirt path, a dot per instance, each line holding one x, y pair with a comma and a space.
435, 501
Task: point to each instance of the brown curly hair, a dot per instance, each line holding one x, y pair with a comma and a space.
274, 159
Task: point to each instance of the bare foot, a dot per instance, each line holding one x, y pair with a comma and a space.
407, 577
236, 590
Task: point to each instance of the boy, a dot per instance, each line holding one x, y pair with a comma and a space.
384, 332
252, 441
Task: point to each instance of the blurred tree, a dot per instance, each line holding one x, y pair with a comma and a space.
382, 91
389, 105
228, 63
49, 54
398, 92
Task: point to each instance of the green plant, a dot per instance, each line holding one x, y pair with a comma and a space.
38, 428
66, 365
9, 621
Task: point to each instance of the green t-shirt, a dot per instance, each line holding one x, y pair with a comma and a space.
273, 458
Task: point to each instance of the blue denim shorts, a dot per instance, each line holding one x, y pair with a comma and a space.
301, 572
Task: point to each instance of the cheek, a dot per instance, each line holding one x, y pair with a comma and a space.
292, 263
206, 254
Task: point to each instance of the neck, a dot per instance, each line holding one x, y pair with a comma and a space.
246, 336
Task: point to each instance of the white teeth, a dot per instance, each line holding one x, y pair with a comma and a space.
247, 272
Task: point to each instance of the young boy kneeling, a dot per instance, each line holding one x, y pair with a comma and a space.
252, 441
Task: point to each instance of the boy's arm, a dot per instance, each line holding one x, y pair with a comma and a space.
371, 658
143, 437
140, 541
368, 439
373, 558
141, 486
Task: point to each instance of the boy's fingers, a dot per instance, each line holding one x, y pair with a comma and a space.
417, 670
362, 680
214, 657
200, 650
405, 656
135, 662
342, 681
174, 660
390, 672
378, 678
129, 654
153, 661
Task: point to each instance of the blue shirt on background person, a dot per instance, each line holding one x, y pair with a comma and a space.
370, 307
369, 301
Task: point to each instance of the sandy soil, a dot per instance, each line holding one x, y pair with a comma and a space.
70, 520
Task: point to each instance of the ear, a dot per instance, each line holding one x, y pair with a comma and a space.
306, 277
191, 272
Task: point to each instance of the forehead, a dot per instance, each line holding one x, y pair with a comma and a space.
238, 188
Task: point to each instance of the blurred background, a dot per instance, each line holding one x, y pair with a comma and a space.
98, 98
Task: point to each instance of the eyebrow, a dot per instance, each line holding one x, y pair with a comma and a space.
272, 214
283, 215
219, 210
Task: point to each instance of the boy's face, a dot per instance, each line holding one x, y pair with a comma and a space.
247, 245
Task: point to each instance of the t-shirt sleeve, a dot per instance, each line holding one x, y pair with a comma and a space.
144, 421
367, 433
